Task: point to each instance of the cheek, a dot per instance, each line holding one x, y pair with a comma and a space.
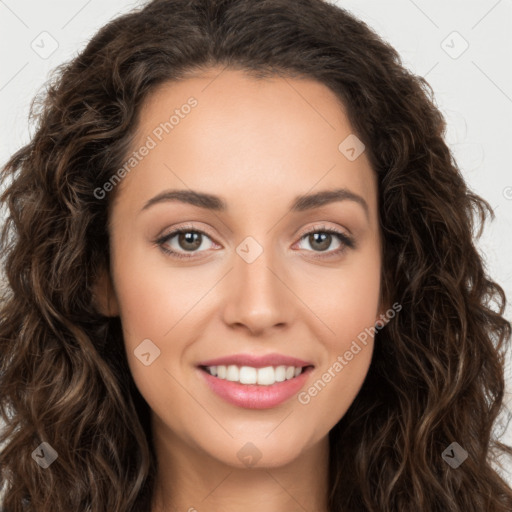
348, 354
154, 301
153, 297
158, 302
346, 299
329, 395
348, 306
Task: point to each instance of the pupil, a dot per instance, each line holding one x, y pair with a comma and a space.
325, 238
188, 238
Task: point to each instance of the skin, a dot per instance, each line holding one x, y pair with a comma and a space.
258, 145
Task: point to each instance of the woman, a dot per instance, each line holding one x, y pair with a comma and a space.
172, 337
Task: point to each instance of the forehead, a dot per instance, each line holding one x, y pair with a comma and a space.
245, 135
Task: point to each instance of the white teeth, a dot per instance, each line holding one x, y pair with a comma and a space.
290, 372
266, 376
281, 373
232, 373
249, 375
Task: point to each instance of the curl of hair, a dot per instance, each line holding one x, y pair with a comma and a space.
437, 373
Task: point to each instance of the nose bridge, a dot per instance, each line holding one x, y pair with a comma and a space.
257, 296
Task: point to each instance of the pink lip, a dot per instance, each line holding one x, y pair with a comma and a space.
253, 396
256, 361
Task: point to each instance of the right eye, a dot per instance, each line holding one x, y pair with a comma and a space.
185, 240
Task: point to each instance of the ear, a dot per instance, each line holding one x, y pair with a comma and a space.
104, 297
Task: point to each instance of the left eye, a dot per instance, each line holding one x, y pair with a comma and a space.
323, 239
190, 240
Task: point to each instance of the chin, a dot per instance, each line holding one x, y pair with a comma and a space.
260, 452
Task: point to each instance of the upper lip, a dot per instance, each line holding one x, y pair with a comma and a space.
256, 361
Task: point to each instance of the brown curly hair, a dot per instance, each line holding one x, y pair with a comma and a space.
437, 373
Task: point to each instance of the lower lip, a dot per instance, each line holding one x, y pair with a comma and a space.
252, 396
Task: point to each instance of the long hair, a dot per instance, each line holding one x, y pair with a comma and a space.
437, 372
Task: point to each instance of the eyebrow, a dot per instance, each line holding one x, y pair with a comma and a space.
299, 204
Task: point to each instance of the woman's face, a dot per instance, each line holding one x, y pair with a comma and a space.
260, 273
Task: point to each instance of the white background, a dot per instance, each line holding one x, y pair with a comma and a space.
473, 90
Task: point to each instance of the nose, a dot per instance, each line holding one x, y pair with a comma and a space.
258, 295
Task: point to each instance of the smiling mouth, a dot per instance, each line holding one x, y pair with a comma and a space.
266, 376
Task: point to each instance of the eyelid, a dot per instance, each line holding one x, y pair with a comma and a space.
184, 227
187, 226
321, 227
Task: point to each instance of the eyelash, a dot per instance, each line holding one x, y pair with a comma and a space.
346, 241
